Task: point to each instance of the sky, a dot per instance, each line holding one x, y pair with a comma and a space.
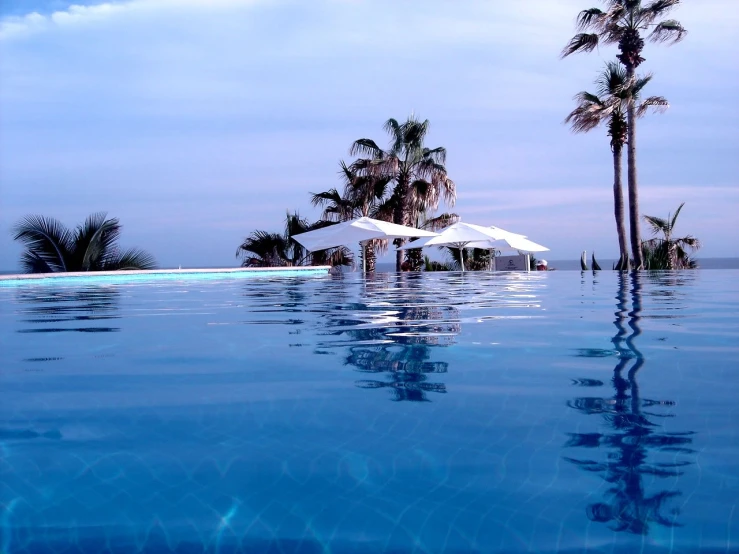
196, 122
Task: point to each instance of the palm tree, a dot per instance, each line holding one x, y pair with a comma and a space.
418, 172
263, 249
669, 252
623, 23
609, 104
50, 247
364, 195
267, 249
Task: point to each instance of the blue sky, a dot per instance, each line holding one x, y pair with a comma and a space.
198, 121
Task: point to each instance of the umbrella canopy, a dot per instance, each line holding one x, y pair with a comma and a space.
358, 230
516, 242
466, 235
460, 235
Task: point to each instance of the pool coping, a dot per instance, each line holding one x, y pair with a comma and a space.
154, 272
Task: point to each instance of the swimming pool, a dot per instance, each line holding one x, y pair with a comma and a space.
435, 412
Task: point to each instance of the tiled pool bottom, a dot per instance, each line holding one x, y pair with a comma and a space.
409, 413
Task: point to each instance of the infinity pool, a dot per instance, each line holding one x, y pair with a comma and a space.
436, 412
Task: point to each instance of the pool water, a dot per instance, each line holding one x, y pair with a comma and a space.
435, 412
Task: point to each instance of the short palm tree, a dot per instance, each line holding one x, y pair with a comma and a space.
50, 247
669, 252
418, 173
267, 249
622, 23
364, 195
608, 105
263, 249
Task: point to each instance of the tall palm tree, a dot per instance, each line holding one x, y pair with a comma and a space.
50, 247
669, 252
418, 173
609, 104
623, 22
364, 195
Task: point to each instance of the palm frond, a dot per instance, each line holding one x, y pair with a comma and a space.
673, 219
448, 188
657, 224
612, 80
440, 222
46, 240
668, 31
585, 117
366, 147
691, 242
437, 154
583, 42
414, 133
346, 172
657, 9
133, 258
421, 187
95, 242
590, 19
395, 130
263, 249
385, 209
639, 83
325, 197
33, 263
588, 97
658, 104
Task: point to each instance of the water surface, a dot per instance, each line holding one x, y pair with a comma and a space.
404, 413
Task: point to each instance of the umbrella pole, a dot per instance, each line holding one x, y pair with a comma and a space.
461, 260
364, 257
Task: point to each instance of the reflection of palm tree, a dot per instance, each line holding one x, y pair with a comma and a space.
407, 368
82, 308
397, 342
634, 435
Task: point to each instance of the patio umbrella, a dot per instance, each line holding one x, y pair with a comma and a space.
359, 230
461, 235
516, 242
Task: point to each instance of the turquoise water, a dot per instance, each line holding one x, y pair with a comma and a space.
125, 278
548, 412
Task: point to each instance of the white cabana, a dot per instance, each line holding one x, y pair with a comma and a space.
358, 230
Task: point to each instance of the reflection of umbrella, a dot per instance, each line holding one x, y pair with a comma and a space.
461, 235
359, 230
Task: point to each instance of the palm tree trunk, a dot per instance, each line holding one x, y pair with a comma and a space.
399, 216
618, 209
632, 178
369, 251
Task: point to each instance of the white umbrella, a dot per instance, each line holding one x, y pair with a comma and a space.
461, 235
516, 242
359, 230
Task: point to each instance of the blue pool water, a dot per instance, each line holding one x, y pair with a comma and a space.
549, 412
